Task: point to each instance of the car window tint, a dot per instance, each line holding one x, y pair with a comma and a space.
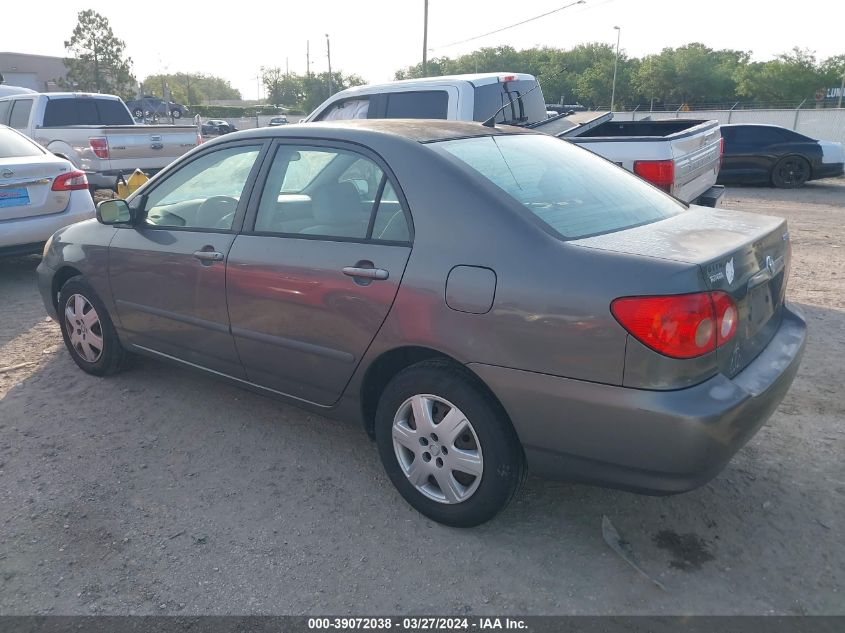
390, 223
357, 108
423, 104
19, 118
315, 191
205, 192
574, 192
4, 111
112, 112
13, 145
85, 111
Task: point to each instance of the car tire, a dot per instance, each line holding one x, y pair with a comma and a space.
791, 172
138, 113
433, 467
87, 329
176, 113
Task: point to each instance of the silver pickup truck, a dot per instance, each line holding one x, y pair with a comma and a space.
681, 157
96, 133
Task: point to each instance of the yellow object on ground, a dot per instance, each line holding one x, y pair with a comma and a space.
127, 186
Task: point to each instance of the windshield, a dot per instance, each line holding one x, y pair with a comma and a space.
574, 192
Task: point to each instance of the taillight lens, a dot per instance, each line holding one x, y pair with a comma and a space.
199, 138
100, 145
679, 326
70, 181
660, 173
721, 151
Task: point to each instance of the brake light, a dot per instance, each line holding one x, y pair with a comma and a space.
721, 150
660, 173
507, 78
679, 326
100, 145
70, 182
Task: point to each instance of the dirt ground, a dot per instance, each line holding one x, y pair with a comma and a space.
163, 491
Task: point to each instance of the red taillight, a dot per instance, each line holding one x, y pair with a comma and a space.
199, 138
100, 145
721, 151
679, 326
507, 78
660, 173
70, 182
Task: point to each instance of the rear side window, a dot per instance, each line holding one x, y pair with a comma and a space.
357, 108
13, 145
19, 118
571, 190
4, 112
423, 104
85, 111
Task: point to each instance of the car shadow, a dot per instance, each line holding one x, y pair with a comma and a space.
176, 472
20, 306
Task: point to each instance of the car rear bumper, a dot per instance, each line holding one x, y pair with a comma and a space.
829, 170
27, 233
711, 198
655, 442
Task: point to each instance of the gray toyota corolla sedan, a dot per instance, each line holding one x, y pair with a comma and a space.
481, 299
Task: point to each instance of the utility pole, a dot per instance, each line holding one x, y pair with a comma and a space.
615, 65
425, 39
287, 66
307, 58
329, 56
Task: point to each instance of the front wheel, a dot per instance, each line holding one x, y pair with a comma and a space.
791, 172
448, 448
176, 113
87, 329
138, 113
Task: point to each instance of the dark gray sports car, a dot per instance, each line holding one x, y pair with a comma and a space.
480, 299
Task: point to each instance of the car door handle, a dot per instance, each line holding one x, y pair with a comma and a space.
366, 273
208, 256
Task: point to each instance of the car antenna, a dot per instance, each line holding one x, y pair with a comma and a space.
491, 122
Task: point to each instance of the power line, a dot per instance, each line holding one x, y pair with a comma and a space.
505, 28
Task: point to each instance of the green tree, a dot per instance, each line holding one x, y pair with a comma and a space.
790, 77
190, 88
97, 61
283, 88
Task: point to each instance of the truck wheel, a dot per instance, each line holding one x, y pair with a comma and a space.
449, 449
176, 113
138, 113
791, 172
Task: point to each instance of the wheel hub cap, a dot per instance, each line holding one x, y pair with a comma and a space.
84, 329
437, 449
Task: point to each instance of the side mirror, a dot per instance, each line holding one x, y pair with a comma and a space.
114, 212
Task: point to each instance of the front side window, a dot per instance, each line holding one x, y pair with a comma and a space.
203, 194
331, 193
358, 108
19, 118
574, 192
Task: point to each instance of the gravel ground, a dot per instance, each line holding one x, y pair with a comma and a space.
163, 491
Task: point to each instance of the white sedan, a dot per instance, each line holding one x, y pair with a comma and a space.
39, 194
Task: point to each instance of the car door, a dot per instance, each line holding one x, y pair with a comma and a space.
747, 155
312, 280
168, 270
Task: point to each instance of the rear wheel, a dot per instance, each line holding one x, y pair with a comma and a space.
791, 172
138, 113
87, 329
176, 113
449, 450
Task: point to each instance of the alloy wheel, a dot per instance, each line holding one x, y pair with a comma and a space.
437, 449
84, 328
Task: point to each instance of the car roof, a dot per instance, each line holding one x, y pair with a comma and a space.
419, 130
477, 79
780, 127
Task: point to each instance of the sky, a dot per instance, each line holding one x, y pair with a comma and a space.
374, 38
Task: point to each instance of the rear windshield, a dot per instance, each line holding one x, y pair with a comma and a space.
85, 111
13, 145
522, 104
571, 190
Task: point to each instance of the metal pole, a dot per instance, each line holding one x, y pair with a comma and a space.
307, 58
841, 90
615, 64
425, 40
731, 111
329, 56
797, 111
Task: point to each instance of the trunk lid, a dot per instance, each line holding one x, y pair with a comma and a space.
744, 255
25, 184
148, 146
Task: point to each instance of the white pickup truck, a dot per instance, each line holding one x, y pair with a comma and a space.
96, 133
681, 157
